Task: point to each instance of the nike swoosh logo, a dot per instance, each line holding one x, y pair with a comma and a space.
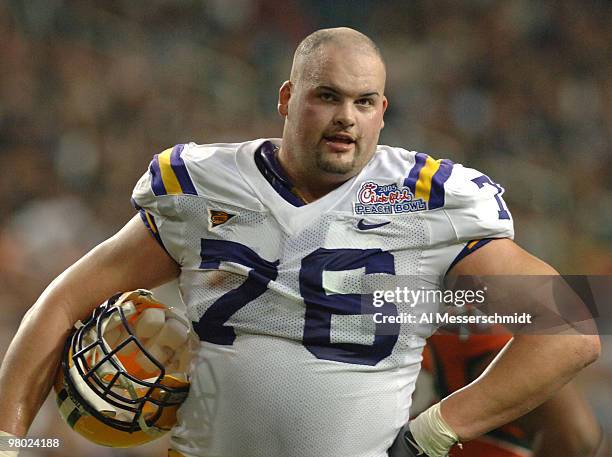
361, 225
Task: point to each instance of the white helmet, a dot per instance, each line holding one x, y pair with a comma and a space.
124, 372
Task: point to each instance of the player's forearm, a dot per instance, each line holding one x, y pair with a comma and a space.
129, 260
29, 366
531, 369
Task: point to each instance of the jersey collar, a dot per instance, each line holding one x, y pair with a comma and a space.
292, 218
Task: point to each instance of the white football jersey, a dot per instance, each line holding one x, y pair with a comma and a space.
291, 362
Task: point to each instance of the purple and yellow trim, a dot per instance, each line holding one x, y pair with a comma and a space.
149, 222
169, 175
413, 176
471, 246
427, 177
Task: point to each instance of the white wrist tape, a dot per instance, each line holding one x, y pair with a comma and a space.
432, 433
4, 449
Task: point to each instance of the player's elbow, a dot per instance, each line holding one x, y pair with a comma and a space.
588, 349
595, 343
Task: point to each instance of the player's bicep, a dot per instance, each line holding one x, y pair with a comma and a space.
130, 259
501, 257
134, 256
518, 282
512, 279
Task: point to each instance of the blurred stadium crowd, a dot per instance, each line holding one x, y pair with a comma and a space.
90, 90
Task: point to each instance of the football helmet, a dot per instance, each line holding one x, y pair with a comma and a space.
124, 372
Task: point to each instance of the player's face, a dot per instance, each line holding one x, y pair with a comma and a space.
334, 113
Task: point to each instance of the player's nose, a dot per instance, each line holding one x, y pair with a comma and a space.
344, 115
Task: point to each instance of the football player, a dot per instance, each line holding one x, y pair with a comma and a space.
452, 361
289, 362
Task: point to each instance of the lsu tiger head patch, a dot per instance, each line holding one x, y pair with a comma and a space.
219, 217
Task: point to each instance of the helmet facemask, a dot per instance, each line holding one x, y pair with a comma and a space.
127, 365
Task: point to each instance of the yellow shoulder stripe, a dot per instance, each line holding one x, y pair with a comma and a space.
423, 185
168, 176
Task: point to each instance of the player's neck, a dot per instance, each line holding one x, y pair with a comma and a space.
303, 184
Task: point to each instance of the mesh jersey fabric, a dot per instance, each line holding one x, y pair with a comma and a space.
290, 361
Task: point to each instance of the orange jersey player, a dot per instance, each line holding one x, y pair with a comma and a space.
564, 425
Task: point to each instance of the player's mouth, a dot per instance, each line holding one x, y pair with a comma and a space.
339, 142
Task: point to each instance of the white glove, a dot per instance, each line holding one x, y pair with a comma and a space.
432, 434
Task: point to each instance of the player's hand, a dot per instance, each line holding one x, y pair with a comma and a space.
405, 445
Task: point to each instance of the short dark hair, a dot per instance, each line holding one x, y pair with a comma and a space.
341, 36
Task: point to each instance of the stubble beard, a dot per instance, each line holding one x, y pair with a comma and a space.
326, 165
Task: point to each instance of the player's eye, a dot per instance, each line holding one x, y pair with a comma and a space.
327, 97
365, 102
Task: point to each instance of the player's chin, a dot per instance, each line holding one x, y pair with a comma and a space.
338, 164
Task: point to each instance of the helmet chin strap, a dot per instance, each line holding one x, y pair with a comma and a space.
151, 431
90, 396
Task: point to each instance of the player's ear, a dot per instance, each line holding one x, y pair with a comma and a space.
284, 94
385, 104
